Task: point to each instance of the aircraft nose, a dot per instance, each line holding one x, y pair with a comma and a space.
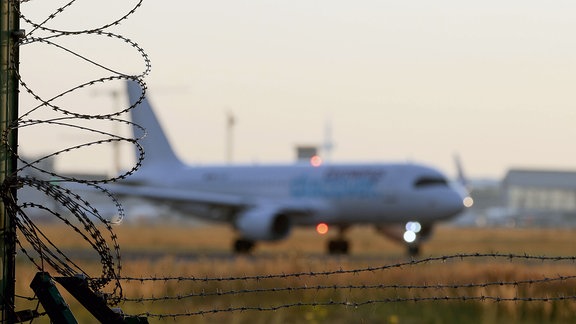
459, 202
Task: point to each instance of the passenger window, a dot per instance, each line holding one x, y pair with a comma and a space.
430, 181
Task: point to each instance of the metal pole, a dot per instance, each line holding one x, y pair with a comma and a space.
9, 32
230, 121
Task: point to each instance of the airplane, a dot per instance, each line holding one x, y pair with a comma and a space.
264, 202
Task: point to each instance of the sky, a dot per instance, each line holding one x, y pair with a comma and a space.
420, 81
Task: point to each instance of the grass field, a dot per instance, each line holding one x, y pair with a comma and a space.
203, 252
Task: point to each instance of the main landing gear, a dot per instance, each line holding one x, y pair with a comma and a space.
414, 235
339, 245
243, 246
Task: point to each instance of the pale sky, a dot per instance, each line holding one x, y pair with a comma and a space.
494, 81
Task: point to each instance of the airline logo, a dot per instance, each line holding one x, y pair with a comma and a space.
338, 183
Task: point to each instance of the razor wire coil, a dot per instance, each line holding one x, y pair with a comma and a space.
80, 216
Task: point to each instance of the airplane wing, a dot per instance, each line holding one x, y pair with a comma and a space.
180, 197
256, 218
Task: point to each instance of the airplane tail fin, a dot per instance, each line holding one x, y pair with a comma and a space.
158, 152
464, 182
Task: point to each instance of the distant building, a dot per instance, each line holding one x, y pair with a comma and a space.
305, 153
540, 197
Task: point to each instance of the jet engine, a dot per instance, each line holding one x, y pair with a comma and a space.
263, 223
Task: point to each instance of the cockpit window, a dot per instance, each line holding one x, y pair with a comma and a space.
423, 182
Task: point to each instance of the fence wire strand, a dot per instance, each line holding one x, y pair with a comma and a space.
281, 286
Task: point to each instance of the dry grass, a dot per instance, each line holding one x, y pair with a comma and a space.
189, 252
171, 238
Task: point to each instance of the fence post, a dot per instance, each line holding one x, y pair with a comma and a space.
9, 32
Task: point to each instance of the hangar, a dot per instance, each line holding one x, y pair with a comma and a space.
540, 197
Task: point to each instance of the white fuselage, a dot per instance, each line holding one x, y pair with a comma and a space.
340, 194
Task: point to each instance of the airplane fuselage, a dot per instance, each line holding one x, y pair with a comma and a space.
340, 194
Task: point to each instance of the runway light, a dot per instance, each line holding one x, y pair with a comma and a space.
468, 202
316, 161
322, 228
409, 236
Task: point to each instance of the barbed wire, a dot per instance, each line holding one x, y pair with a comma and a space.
352, 304
41, 25
80, 215
50, 253
356, 293
402, 293
348, 287
412, 262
